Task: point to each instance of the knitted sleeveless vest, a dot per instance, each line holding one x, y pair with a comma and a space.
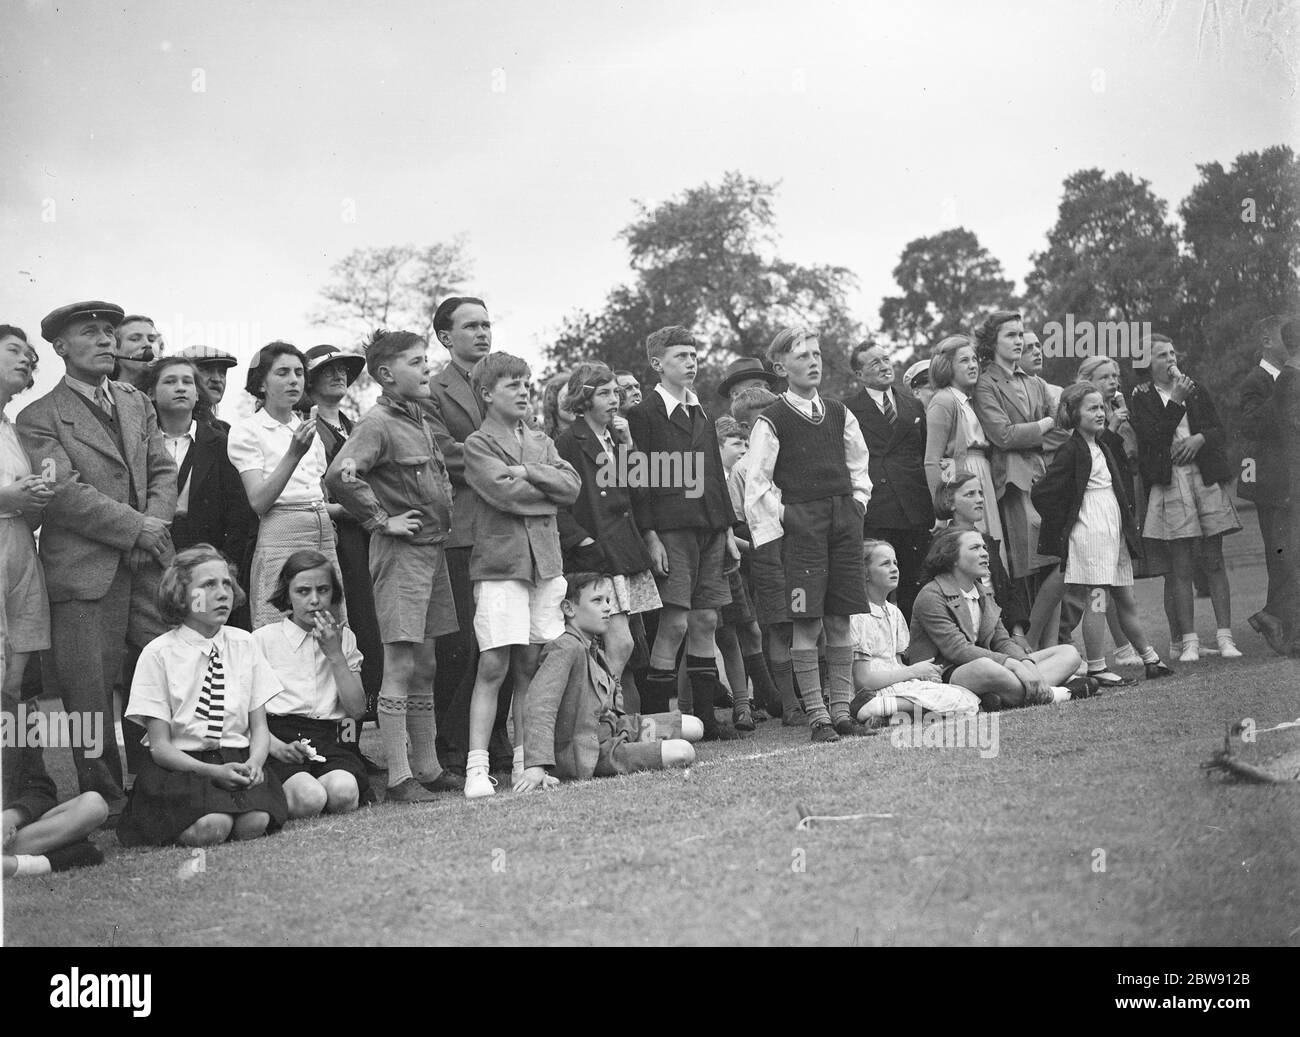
811, 464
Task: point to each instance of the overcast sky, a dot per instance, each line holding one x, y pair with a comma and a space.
198, 161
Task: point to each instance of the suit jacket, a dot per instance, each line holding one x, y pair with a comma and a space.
1155, 422
1058, 495
90, 525
218, 506
1285, 417
570, 691
667, 507
1270, 485
454, 414
602, 512
941, 628
515, 532
1017, 455
900, 498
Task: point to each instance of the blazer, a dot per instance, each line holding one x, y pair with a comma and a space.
602, 512
1058, 495
900, 496
667, 507
941, 627
570, 692
454, 414
1285, 417
1271, 485
515, 532
218, 513
945, 439
90, 525
1155, 423
1017, 455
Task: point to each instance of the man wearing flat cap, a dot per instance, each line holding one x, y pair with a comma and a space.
105, 536
213, 365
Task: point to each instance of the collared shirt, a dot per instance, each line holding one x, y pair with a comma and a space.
303, 670
178, 448
1272, 370
169, 681
764, 509
972, 597
878, 397
879, 635
671, 402
259, 442
88, 390
969, 419
14, 463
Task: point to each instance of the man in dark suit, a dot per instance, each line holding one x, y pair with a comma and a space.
893, 426
105, 535
1282, 419
1263, 478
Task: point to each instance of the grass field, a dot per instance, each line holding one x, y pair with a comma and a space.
998, 851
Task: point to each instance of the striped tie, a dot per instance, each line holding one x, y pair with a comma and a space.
212, 699
891, 415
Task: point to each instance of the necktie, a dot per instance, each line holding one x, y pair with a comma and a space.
101, 398
891, 415
212, 699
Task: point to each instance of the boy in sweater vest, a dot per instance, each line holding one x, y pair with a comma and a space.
808, 484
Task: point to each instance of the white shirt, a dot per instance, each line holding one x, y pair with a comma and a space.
1273, 371
764, 509
878, 397
671, 402
178, 448
1184, 430
969, 419
259, 442
972, 597
879, 634
169, 679
14, 463
309, 689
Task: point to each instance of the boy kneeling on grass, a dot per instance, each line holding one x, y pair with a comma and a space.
575, 726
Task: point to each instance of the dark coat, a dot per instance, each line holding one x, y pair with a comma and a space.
900, 497
1270, 484
1058, 495
1155, 423
218, 506
603, 513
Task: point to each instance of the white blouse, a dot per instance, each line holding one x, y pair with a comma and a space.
259, 443
303, 671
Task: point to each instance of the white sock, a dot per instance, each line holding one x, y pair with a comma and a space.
1150, 655
477, 759
1097, 665
32, 864
1120, 649
519, 758
1190, 640
1060, 694
881, 706
1222, 633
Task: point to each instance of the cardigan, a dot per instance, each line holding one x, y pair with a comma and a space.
1155, 422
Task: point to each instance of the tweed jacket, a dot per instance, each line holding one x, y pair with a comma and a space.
1017, 455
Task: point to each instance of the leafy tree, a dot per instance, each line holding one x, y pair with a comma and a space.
948, 280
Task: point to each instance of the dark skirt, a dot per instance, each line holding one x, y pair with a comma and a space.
164, 803
327, 738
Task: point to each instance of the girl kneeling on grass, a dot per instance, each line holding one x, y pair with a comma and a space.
201, 691
314, 721
957, 624
885, 683
1088, 521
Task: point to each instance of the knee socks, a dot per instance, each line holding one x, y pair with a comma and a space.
703, 674
839, 667
808, 685
764, 690
658, 689
392, 730
423, 729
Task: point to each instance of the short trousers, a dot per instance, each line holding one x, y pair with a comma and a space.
768, 572
517, 612
695, 560
822, 554
741, 609
631, 742
413, 599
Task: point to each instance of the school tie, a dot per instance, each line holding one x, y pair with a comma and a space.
212, 699
891, 415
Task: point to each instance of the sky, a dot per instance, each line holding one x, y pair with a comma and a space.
208, 163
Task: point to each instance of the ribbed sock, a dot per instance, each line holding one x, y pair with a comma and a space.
423, 729
1097, 665
783, 678
764, 690
1223, 632
703, 674
1191, 639
839, 666
658, 690
477, 758
882, 706
392, 731
807, 684
1150, 655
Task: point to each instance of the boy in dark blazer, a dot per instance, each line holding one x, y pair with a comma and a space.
893, 427
575, 726
686, 528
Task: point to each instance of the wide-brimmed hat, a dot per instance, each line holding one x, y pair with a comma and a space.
319, 356
741, 369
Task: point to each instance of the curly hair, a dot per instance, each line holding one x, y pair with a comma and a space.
986, 333
1072, 397
586, 378
945, 497
944, 552
173, 594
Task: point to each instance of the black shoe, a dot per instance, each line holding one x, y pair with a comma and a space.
850, 727
1272, 630
84, 854
408, 791
991, 702
742, 717
445, 782
760, 714
1105, 680
1087, 687
1157, 669
860, 700
721, 733
824, 732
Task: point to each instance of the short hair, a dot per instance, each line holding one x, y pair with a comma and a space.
658, 342
301, 562
173, 595
986, 333
1157, 337
385, 346
555, 385
945, 497
1266, 328
1291, 335
575, 582
728, 427
785, 341
202, 405
1072, 397
625, 374
1092, 365
132, 318
263, 360
944, 551
858, 350
9, 330
444, 316
869, 547
747, 404
495, 366
586, 378
941, 360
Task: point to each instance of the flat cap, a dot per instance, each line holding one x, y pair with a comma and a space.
208, 355
56, 320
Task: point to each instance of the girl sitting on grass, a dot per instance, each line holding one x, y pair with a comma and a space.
201, 691
314, 721
885, 683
